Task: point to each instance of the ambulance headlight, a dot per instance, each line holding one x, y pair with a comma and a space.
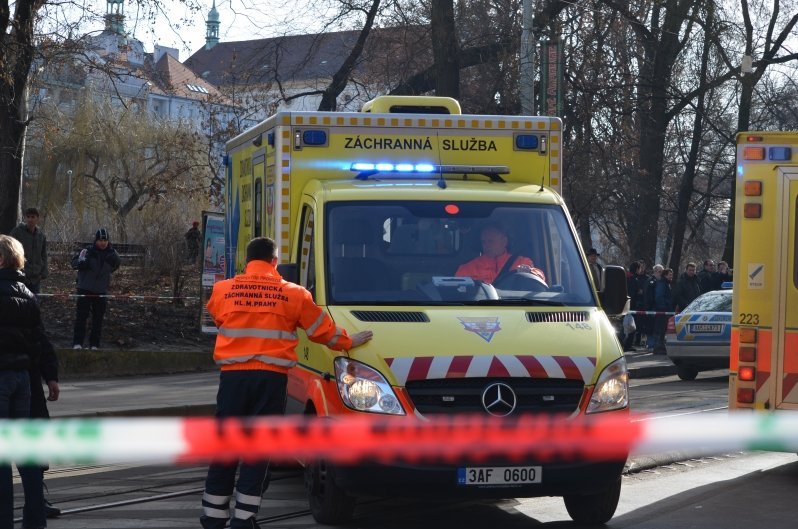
612, 389
363, 388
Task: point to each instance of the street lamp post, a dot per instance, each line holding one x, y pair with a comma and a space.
69, 189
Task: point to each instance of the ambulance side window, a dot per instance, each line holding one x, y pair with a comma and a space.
307, 260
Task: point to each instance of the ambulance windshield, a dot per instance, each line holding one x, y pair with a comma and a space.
437, 252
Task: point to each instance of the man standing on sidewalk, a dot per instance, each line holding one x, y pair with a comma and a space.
35, 244
255, 349
94, 264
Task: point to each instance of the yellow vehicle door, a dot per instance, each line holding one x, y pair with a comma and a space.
786, 331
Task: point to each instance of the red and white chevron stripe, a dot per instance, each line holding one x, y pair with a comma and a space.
538, 366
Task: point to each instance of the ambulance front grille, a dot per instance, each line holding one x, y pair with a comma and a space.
557, 317
464, 395
390, 316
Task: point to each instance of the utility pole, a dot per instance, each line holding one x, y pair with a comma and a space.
527, 77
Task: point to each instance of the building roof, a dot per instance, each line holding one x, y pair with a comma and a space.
306, 57
174, 78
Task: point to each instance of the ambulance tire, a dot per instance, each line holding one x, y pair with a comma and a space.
686, 372
329, 504
594, 509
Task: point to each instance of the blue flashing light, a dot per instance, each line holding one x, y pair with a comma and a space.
314, 137
526, 142
270, 139
779, 153
727, 284
402, 167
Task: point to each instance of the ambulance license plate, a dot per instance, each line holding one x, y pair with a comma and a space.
705, 328
498, 475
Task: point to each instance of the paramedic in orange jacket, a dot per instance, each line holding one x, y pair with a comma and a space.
494, 257
257, 314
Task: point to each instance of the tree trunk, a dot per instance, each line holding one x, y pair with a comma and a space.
340, 79
686, 187
16, 57
445, 49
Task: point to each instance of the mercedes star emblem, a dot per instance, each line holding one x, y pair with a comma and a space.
499, 399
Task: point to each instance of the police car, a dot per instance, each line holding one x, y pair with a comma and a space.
699, 337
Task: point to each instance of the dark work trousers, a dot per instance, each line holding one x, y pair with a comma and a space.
34, 514
14, 404
248, 393
95, 304
660, 326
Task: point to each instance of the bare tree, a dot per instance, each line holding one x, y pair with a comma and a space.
125, 160
36, 30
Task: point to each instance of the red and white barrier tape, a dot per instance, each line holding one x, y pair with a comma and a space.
357, 438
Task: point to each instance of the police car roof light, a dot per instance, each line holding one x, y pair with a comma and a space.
727, 284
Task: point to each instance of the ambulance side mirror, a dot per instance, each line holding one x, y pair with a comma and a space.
614, 296
289, 272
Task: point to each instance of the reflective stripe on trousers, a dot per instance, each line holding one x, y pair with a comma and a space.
215, 506
246, 506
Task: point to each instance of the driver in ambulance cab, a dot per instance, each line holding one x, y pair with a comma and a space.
494, 259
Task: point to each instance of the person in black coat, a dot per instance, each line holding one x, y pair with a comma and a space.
687, 288
663, 301
21, 340
94, 264
45, 367
636, 287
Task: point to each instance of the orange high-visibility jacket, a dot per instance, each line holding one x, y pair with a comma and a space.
257, 314
485, 268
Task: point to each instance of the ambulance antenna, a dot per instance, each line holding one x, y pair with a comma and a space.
441, 181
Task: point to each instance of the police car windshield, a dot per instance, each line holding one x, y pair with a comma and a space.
443, 252
717, 301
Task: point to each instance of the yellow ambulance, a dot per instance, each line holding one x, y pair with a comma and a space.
764, 341
447, 236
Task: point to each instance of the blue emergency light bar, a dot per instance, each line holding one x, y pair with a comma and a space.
427, 168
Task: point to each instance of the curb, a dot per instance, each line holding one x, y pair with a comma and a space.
103, 363
652, 371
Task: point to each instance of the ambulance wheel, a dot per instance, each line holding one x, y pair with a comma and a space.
328, 503
594, 509
686, 372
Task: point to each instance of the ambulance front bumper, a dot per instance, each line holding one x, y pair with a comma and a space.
555, 479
